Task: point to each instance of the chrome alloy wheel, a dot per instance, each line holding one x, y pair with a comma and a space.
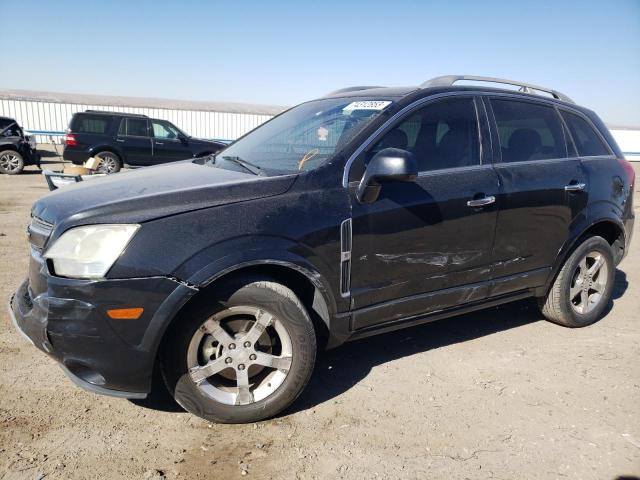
240, 355
589, 282
9, 162
107, 164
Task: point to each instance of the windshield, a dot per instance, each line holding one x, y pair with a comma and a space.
302, 138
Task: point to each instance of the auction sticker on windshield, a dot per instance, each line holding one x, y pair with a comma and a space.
367, 105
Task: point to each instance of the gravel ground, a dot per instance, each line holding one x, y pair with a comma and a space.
495, 394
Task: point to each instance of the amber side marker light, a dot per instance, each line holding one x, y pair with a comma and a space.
125, 313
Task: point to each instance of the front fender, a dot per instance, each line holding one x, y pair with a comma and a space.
218, 260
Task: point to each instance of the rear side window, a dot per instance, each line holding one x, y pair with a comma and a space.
135, 127
97, 124
587, 141
528, 131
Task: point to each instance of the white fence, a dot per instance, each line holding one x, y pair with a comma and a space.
49, 120
47, 116
629, 142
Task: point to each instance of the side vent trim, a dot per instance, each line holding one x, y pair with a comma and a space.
345, 257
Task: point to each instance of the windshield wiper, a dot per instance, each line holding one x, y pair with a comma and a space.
256, 170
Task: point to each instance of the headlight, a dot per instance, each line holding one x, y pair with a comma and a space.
89, 251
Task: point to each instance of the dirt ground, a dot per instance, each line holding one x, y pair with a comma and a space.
497, 394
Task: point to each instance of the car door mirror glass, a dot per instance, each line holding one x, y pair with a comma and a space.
388, 165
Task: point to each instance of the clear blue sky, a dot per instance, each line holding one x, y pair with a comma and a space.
285, 52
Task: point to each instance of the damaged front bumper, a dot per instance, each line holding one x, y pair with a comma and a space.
69, 322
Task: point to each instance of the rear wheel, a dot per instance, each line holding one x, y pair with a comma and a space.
245, 357
109, 162
582, 289
11, 162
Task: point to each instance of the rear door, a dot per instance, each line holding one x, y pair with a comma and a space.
543, 190
422, 245
134, 141
168, 143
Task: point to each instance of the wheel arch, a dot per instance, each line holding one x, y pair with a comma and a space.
307, 286
9, 146
611, 229
107, 148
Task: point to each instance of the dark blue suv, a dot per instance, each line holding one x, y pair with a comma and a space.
119, 139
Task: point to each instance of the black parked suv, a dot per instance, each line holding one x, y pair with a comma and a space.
368, 210
126, 139
17, 150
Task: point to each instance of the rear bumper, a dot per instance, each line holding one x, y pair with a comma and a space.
628, 227
77, 157
110, 357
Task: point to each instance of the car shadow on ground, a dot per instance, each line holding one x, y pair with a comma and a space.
339, 370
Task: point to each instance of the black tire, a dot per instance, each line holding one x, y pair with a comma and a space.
258, 292
111, 159
558, 306
11, 162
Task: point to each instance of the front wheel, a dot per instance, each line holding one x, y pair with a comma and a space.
582, 290
11, 162
245, 357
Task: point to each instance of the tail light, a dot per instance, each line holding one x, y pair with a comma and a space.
631, 175
628, 169
70, 140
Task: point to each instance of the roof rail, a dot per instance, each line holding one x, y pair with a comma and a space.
107, 112
448, 80
352, 89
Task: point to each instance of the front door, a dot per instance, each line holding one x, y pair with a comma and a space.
134, 141
168, 143
543, 191
426, 246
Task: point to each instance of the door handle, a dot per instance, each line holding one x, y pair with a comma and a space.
575, 187
158, 143
481, 202
119, 140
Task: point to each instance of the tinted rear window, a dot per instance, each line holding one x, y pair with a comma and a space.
528, 131
97, 124
586, 139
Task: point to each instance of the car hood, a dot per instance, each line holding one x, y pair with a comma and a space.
153, 192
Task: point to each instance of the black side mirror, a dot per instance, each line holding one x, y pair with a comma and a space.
388, 165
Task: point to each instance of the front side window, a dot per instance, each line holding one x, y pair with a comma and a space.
528, 131
134, 127
441, 135
587, 141
164, 130
304, 137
